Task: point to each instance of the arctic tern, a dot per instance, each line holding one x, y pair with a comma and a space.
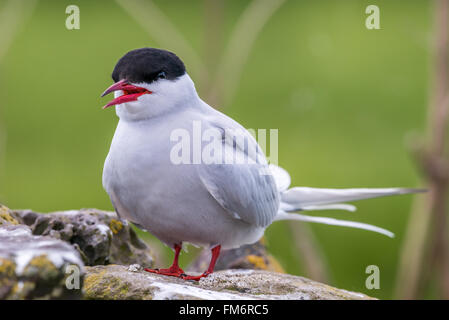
218, 204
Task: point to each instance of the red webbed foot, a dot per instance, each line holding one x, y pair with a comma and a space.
176, 271
173, 271
195, 278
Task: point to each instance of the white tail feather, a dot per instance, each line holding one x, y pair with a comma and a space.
307, 199
334, 222
298, 198
336, 206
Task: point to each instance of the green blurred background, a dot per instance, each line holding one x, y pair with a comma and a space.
343, 97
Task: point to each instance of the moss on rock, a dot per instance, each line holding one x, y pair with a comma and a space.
115, 226
7, 217
118, 283
101, 283
99, 236
33, 267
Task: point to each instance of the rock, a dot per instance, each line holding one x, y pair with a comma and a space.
99, 236
135, 268
7, 217
37, 250
254, 256
34, 267
118, 283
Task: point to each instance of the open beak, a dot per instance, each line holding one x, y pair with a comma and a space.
130, 93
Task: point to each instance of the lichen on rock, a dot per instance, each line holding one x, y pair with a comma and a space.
99, 236
7, 217
34, 267
117, 283
37, 249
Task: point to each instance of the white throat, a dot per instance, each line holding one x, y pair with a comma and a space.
166, 96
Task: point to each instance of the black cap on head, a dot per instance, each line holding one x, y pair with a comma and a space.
147, 64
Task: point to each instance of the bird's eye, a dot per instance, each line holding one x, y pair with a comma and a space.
161, 75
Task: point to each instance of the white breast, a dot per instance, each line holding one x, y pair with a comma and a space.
168, 200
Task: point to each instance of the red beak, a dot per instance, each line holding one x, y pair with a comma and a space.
130, 93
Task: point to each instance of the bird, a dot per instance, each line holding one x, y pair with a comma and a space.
157, 179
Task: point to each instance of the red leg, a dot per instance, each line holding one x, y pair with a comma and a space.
213, 260
174, 270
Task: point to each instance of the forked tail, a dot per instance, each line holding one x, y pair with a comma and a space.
307, 199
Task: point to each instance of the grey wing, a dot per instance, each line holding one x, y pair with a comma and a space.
246, 190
